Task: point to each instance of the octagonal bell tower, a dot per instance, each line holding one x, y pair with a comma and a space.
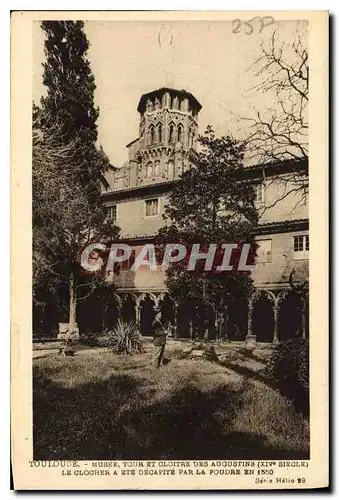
168, 133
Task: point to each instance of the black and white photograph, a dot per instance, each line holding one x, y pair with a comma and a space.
170, 267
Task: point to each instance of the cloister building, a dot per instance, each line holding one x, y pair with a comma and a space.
137, 193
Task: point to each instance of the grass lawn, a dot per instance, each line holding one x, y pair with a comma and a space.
101, 406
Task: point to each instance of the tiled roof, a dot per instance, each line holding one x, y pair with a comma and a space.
251, 172
291, 221
278, 226
137, 188
282, 226
182, 92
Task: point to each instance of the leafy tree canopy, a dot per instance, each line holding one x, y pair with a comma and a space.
211, 203
68, 168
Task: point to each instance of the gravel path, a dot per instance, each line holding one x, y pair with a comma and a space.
50, 352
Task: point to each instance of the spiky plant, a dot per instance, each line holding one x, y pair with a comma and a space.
125, 339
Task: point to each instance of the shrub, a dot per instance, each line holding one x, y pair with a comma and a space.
125, 339
67, 348
90, 339
288, 366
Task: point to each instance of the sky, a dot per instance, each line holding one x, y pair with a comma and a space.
130, 58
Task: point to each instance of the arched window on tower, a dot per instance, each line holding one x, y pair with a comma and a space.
149, 169
160, 133
157, 168
180, 134
192, 140
170, 169
149, 105
171, 137
151, 134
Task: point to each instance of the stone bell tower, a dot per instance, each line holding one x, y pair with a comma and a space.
167, 136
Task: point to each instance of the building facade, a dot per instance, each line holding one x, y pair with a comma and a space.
136, 196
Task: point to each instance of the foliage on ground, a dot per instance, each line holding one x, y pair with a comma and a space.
99, 405
288, 366
125, 339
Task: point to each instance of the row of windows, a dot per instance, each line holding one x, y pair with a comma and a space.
264, 251
112, 213
175, 134
155, 134
151, 209
153, 169
260, 193
300, 248
128, 263
174, 102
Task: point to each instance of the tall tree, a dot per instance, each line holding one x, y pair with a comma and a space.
70, 95
212, 203
68, 169
279, 133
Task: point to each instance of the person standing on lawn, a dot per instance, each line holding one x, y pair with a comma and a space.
159, 337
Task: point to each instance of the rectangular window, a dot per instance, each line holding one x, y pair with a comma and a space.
301, 247
264, 250
152, 207
112, 213
259, 193
127, 264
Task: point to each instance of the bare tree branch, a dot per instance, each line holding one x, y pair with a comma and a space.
280, 132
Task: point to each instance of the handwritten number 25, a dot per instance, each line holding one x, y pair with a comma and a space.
248, 25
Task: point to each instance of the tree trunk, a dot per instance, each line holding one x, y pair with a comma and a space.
226, 318
216, 325
103, 322
190, 330
72, 305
